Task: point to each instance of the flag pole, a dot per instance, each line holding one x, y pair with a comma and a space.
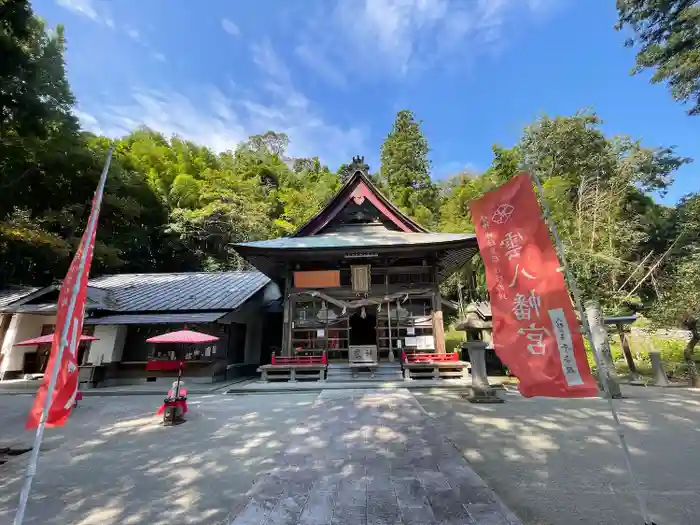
39, 436
589, 335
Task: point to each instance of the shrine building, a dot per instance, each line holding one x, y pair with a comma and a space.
360, 280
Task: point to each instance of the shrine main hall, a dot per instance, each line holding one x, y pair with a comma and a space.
360, 281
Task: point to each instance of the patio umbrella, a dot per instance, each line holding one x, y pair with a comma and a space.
48, 339
185, 337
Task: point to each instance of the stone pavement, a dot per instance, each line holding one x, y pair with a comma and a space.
380, 464
338, 457
559, 462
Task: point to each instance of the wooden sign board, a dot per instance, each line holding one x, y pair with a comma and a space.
317, 279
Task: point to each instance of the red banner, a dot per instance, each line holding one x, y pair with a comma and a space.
69, 326
535, 330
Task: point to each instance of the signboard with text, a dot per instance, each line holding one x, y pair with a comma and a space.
535, 330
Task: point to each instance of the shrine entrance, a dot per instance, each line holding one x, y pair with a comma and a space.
363, 331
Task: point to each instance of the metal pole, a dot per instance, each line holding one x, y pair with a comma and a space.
38, 438
587, 329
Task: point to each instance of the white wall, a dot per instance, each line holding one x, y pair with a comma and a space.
22, 327
109, 346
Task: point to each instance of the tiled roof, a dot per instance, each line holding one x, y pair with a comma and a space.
180, 291
10, 295
159, 318
359, 239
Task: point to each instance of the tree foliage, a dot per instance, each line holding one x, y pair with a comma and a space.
667, 33
405, 169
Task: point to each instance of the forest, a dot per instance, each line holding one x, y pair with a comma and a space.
172, 205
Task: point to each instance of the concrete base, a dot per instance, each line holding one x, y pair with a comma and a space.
657, 367
483, 395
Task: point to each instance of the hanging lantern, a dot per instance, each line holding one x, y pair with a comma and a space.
363, 313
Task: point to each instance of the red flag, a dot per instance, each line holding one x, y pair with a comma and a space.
69, 327
535, 331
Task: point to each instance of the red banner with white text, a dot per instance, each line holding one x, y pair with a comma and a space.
69, 326
535, 331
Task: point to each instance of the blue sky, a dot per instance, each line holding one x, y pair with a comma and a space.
333, 73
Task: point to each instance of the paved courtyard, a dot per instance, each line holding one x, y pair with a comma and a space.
338, 457
558, 461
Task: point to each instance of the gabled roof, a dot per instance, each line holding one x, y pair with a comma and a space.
361, 231
15, 293
164, 292
362, 239
180, 291
359, 187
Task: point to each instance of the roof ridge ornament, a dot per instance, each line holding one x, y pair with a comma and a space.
358, 164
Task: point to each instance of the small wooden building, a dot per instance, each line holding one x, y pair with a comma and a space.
360, 279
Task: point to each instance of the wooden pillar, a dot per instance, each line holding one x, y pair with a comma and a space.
287, 319
438, 322
624, 342
291, 308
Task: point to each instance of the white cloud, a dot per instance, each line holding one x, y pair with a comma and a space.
160, 57
269, 62
397, 36
316, 60
171, 113
133, 34
81, 7
86, 120
221, 120
230, 27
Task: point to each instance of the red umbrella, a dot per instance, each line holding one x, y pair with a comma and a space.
183, 336
48, 339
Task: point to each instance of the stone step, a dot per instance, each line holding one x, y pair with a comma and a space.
346, 366
382, 374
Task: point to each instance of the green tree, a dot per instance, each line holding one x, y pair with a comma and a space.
599, 192
679, 280
405, 170
667, 33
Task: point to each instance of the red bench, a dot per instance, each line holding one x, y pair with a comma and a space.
293, 368
433, 366
429, 358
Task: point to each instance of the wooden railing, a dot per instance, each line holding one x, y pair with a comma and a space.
300, 360
429, 358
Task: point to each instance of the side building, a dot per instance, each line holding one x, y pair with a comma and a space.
242, 308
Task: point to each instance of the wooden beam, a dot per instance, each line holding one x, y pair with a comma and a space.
438, 321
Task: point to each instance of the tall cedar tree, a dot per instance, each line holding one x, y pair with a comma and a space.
668, 35
405, 169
